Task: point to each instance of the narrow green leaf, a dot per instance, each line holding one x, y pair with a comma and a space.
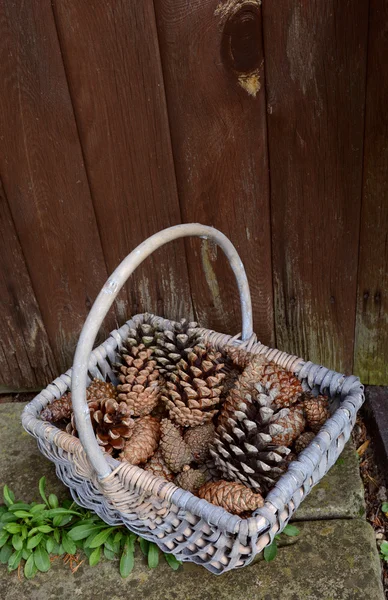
173, 562
17, 541
94, 558
30, 568
68, 544
34, 541
54, 512
384, 507
32, 531
270, 552
8, 517
45, 528
143, 546
62, 520
50, 543
19, 506
38, 508
109, 554
127, 561
53, 501
5, 553
88, 551
291, 530
81, 532
14, 560
3, 509
4, 535
9, 497
57, 535
24, 532
100, 538
26, 553
55, 548
42, 491
153, 555
22, 514
41, 559
13, 528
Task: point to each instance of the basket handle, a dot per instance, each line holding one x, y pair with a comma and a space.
105, 300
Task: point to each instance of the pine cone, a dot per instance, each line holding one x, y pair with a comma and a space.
258, 369
316, 411
244, 447
144, 441
158, 467
173, 344
175, 451
193, 393
303, 441
198, 439
111, 422
61, 409
233, 497
293, 424
139, 380
190, 480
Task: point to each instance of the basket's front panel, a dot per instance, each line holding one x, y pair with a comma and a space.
190, 528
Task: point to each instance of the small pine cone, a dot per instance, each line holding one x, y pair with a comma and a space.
234, 497
158, 467
98, 390
293, 424
59, 410
316, 410
190, 480
175, 451
139, 380
143, 442
303, 441
198, 439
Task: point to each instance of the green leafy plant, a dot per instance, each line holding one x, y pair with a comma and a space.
384, 551
32, 535
384, 508
271, 551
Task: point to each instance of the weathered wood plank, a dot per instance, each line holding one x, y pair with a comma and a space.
315, 56
371, 349
26, 359
113, 66
43, 174
212, 60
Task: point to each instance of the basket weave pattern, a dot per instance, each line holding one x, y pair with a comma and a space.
176, 520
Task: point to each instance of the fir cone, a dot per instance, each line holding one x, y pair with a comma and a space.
158, 467
144, 333
176, 453
293, 424
316, 411
111, 421
192, 394
190, 480
59, 410
143, 442
303, 441
140, 380
173, 344
236, 498
198, 439
245, 448
98, 390
258, 369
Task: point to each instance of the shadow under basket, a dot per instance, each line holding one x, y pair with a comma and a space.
176, 520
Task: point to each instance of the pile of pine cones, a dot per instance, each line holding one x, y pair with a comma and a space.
224, 426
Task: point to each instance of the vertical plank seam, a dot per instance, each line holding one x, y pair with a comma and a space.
185, 242
269, 183
80, 141
362, 187
53, 357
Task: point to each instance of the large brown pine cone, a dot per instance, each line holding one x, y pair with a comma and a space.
199, 439
173, 344
233, 497
192, 395
293, 424
143, 442
303, 441
140, 380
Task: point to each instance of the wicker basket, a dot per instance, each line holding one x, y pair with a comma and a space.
177, 521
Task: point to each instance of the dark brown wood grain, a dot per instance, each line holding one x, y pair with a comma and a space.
371, 347
315, 55
26, 358
44, 177
212, 59
111, 54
